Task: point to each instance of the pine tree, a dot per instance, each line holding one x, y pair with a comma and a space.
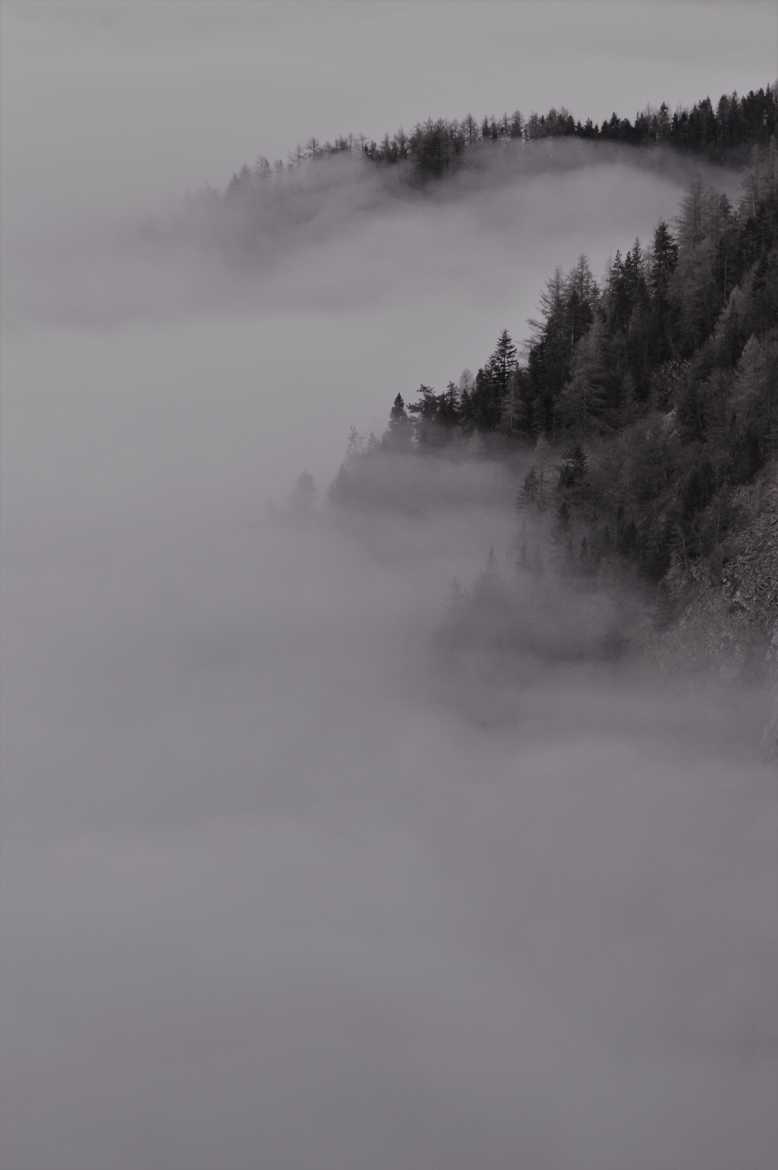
731, 328
502, 364
550, 351
492, 385
662, 261
518, 416
399, 432
581, 298
584, 400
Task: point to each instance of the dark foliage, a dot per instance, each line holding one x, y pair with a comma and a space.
658, 388
436, 147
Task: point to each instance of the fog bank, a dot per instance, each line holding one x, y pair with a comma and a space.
279, 887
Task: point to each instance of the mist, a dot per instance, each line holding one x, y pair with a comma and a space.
281, 885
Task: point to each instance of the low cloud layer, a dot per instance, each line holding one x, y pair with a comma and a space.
278, 890
272, 896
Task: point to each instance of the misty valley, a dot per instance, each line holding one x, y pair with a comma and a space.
390, 642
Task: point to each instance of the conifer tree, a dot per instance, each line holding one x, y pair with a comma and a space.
502, 364
399, 432
584, 400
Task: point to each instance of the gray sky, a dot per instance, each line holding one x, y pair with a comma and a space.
146, 97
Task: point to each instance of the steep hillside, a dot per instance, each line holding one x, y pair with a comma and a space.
642, 418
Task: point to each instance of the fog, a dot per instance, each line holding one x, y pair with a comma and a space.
138, 98
279, 888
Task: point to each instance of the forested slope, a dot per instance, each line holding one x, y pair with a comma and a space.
647, 406
438, 146
267, 207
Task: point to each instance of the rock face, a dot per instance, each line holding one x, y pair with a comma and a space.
726, 609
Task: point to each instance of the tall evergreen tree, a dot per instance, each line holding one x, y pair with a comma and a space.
584, 400
400, 430
502, 364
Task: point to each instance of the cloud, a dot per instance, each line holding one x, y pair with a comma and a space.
277, 888
273, 892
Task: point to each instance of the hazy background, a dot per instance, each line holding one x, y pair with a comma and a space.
266, 899
149, 96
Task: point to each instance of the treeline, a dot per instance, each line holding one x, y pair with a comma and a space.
436, 147
651, 396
